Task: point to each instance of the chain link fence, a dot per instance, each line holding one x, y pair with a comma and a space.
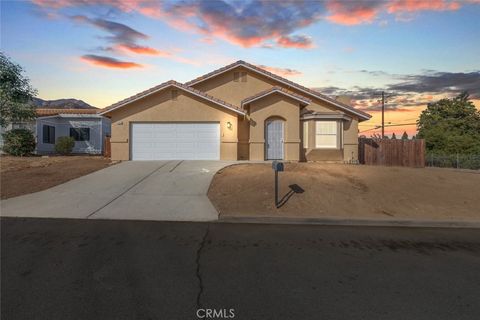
459, 161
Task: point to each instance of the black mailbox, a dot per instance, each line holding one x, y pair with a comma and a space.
277, 166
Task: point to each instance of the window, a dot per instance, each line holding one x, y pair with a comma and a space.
236, 76
80, 134
305, 134
48, 134
174, 94
326, 134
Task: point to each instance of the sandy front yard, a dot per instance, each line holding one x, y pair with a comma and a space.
23, 175
348, 191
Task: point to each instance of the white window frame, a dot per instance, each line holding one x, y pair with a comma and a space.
305, 134
330, 134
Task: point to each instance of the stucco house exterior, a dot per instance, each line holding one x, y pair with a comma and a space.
238, 112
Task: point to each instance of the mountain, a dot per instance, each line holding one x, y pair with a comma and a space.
61, 104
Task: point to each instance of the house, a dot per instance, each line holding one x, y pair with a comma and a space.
238, 112
84, 125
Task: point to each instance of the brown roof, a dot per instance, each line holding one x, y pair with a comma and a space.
53, 112
281, 79
278, 90
166, 85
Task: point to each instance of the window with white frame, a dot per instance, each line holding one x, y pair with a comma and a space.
305, 134
326, 135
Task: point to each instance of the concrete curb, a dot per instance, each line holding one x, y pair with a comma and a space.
353, 222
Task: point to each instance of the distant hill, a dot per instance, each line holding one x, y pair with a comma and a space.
61, 104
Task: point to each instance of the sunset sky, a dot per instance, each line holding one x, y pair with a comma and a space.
101, 51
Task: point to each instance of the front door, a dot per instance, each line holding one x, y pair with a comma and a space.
274, 140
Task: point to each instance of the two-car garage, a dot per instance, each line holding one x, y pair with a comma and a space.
175, 141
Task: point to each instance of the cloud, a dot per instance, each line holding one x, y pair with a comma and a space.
440, 82
297, 41
416, 5
353, 12
259, 22
109, 62
120, 33
141, 50
284, 72
414, 91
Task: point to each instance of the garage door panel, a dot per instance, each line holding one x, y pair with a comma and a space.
172, 141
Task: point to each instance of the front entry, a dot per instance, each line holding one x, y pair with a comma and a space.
274, 140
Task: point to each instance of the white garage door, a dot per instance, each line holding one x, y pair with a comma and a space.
175, 141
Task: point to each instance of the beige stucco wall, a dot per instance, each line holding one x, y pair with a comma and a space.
159, 107
223, 86
350, 140
269, 107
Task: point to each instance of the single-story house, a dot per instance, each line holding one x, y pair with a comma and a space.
238, 112
87, 128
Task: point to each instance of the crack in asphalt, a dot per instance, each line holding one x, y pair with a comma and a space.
130, 188
197, 260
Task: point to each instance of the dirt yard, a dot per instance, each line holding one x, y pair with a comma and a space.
22, 175
348, 191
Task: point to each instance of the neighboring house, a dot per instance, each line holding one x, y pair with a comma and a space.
238, 112
84, 125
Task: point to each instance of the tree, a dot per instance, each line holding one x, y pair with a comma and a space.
394, 137
19, 142
404, 135
451, 126
16, 93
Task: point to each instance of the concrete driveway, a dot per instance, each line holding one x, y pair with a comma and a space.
140, 190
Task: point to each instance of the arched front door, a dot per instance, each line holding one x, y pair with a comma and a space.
274, 139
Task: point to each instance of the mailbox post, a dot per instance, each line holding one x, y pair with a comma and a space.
277, 166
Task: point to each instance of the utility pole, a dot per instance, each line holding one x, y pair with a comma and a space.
383, 114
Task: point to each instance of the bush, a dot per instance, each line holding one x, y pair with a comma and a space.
64, 145
19, 142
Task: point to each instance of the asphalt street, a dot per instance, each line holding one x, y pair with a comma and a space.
96, 269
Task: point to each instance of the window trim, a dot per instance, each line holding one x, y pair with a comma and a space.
305, 134
49, 137
336, 134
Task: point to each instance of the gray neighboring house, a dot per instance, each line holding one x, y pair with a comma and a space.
87, 128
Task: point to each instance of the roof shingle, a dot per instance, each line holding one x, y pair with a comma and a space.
52, 112
279, 90
166, 85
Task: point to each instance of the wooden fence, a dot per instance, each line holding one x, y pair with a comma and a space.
404, 153
107, 148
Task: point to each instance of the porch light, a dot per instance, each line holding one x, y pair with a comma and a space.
229, 125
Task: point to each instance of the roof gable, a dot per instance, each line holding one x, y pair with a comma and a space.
166, 85
278, 90
304, 90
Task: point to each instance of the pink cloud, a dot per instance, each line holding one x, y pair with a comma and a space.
261, 23
415, 5
352, 13
109, 62
284, 72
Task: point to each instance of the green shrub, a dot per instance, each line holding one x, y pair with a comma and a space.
19, 142
64, 145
